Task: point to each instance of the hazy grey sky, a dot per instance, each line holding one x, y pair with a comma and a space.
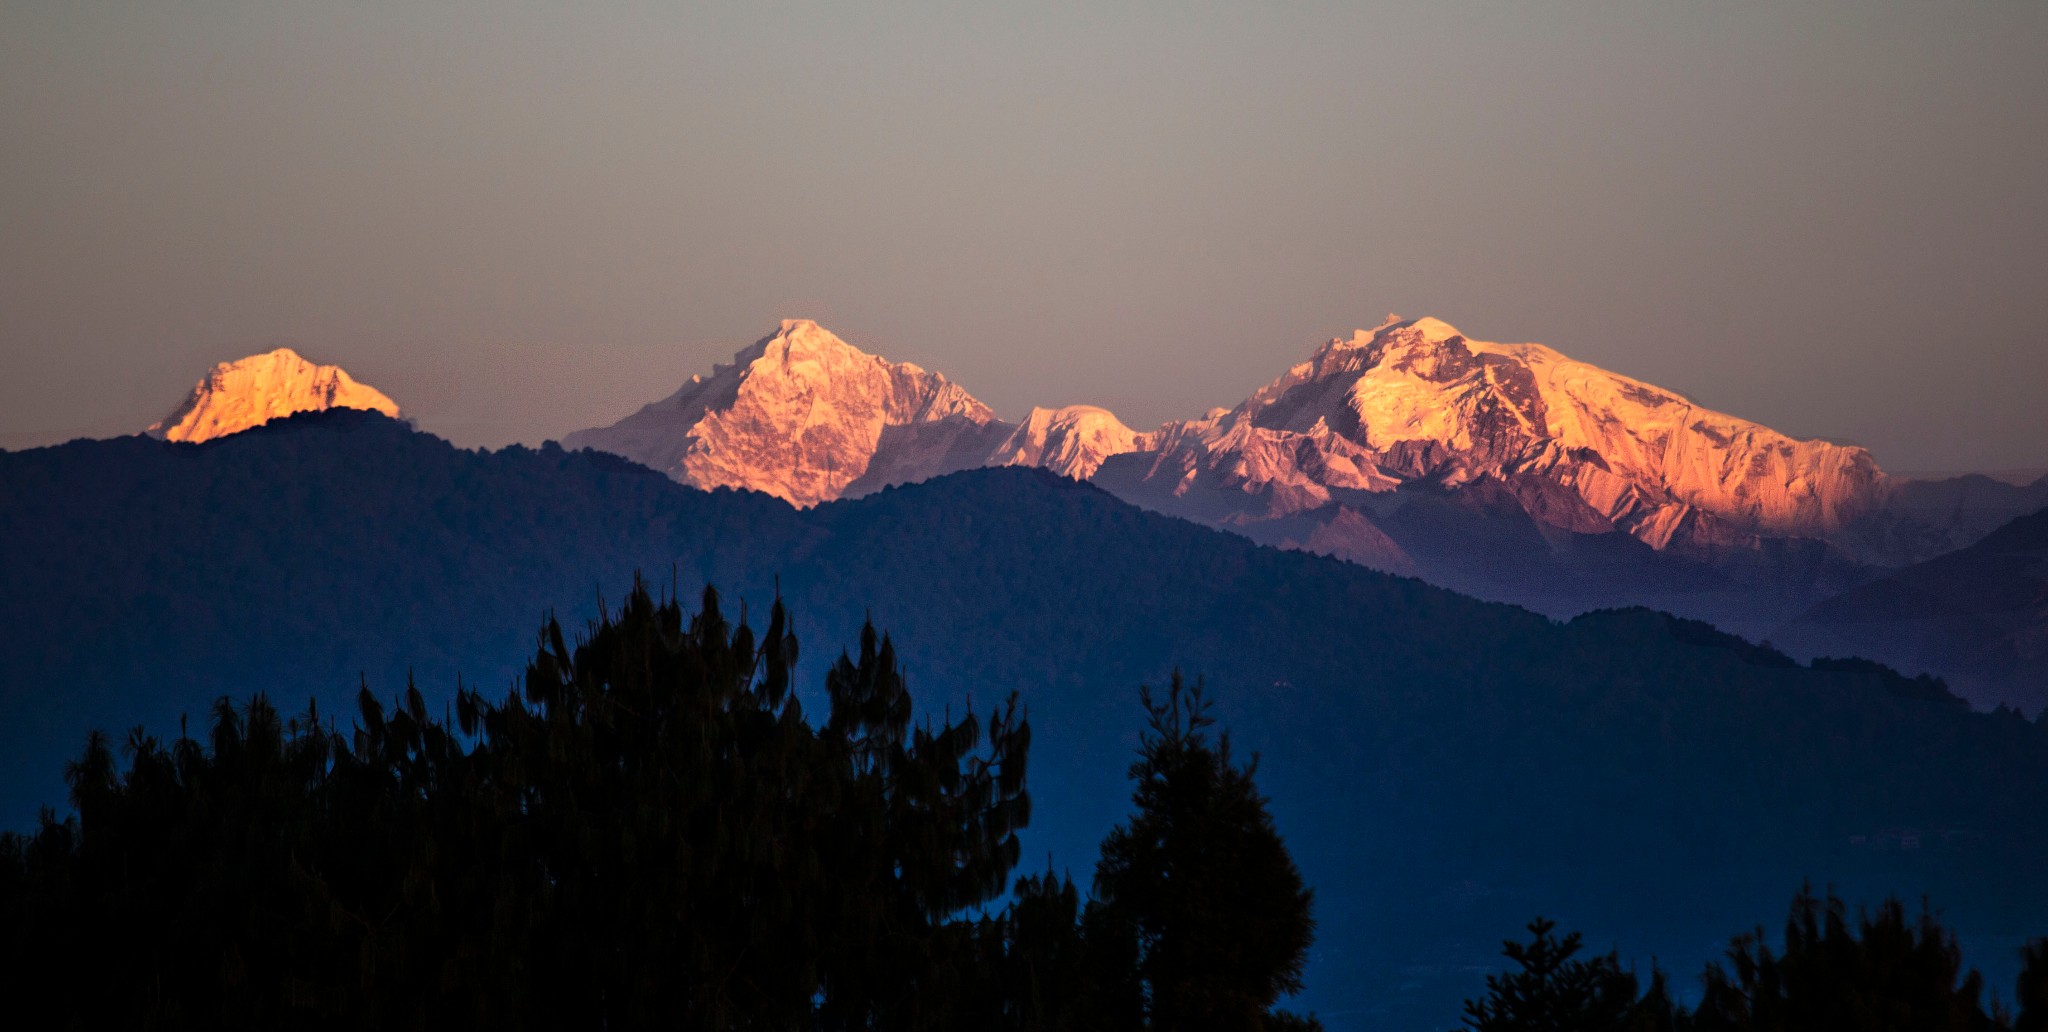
519, 219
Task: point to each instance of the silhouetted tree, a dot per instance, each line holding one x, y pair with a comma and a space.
648, 832
1047, 975
1197, 885
1884, 973
2031, 995
1553, 992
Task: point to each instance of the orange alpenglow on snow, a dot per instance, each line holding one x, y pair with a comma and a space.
807, 417
252, 391
800, 415
1418, 400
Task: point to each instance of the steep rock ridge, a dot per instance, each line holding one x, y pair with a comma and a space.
799, 415
1418, 401
252, 391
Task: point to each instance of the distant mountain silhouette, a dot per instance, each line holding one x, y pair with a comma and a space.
1441, 767
1979, 615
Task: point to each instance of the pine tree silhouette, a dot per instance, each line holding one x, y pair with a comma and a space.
1884, 973
647, 832
1554, 992
2032, 994
1198, 884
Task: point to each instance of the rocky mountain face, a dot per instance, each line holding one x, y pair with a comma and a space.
252, 391
799, 415
1508, 471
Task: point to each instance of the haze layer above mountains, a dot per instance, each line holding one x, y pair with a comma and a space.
1506, 471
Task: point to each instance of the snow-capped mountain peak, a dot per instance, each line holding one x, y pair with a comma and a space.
1071, 441
249, 392
798, 415
1417, 399
803, 415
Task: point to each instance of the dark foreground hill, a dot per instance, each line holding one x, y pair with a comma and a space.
1979, 614
1443, 768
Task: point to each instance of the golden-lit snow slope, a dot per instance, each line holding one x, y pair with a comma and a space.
807, 417
255, 390
1070, 441
1417, 399
798, 415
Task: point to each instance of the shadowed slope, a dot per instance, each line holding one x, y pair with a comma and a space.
1979, 614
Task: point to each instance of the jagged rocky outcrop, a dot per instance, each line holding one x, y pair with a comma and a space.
252, 391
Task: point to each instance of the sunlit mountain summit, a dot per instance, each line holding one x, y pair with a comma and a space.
1416, 401
1506, 471
1510, 471
799, 415
252, 391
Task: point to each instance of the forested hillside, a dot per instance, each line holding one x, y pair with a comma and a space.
1442, 768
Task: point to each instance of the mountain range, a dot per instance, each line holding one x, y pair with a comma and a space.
1505, 471
1442, 768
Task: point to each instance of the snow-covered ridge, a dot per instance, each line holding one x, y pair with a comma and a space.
805, 416
1504, 470
252, 391
1418, 400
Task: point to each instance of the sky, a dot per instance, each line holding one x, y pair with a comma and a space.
520, 219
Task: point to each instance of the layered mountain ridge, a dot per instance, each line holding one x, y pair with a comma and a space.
1507, 471
1321, 456
1978, 614
1510, 472
1399, 723
249, 392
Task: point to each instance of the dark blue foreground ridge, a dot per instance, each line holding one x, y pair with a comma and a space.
1442, 768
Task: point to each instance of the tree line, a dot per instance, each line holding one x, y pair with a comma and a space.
1880, 972
650, 831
